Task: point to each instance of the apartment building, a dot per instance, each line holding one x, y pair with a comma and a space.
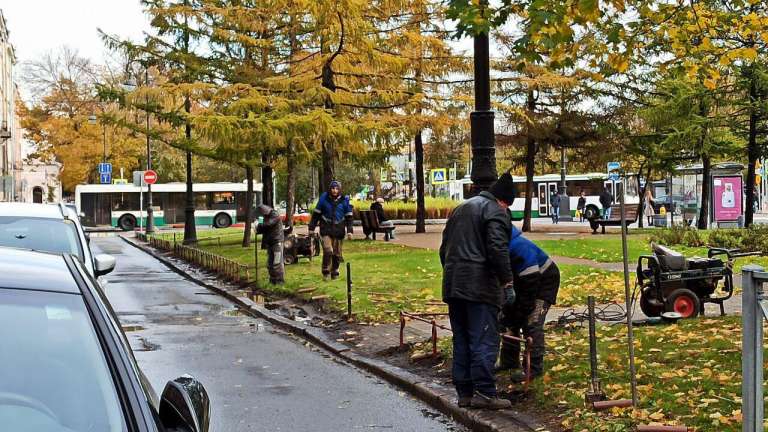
7, 113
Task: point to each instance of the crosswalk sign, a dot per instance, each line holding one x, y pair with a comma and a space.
439, 176
105, 178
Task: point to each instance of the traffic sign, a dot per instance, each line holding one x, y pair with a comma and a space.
452, 174
105, 178
120, 181
138, 179
613, 176
105, 168
439, 176
613, 166
150, 177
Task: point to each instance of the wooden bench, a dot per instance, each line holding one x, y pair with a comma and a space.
615, 219
371, 226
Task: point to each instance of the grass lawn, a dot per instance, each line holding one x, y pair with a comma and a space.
597, 248
689, 373
388, 277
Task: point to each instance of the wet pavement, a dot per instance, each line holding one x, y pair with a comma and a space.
258, 378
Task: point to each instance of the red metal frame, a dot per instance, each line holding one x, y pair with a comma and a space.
429, 318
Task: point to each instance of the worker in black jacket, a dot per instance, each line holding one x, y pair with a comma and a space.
270, 227
476, 274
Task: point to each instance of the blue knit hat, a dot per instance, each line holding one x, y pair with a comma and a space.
335, 183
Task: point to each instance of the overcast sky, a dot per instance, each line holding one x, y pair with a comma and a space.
38, 26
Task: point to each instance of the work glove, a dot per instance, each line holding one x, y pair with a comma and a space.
349, 236
509, 294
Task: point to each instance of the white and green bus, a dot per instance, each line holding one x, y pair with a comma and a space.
118, 205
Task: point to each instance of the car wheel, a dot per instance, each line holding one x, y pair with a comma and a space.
127, 222
222, 220
683, 301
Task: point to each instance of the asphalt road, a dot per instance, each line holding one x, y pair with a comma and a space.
258, 378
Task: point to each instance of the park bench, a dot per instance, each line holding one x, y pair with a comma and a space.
630, 216
370, 222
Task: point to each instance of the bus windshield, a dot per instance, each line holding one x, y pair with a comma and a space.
40, 234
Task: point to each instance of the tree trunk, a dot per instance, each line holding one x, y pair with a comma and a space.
248, 207
530, 165
420, 207
290, 200
268, 190
703, 222
376, 180
328, 174
190, 229
752, 149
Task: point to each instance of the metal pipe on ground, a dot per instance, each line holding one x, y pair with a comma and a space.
652, 428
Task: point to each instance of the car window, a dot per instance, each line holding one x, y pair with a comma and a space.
54, 376
41, 234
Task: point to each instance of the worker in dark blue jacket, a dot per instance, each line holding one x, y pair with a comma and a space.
334, 215
536, 281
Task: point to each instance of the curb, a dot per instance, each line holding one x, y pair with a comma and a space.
436, 396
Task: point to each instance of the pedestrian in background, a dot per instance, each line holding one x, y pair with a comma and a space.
554, 203
581, 205
648, 206
378, 207
270, 226
334, 215
537, 281
606, 200
476, 276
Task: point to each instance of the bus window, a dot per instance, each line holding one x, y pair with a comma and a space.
224, 198
202, 201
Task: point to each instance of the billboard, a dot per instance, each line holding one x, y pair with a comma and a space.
727, 197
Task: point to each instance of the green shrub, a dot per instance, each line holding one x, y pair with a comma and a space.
754, 238
727, 238
436, 208
674, 235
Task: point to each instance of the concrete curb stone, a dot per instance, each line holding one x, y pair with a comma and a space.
436, 396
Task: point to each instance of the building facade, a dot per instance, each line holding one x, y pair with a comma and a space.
8, 126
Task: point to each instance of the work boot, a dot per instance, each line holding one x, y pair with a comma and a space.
334, 276
519, 376
504, 367
481, 401
326, 276
465, 402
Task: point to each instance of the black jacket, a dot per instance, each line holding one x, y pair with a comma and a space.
606, 199
271, 229
379, 209
582, 203
474, 251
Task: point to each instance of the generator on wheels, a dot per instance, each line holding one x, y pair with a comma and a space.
670, 282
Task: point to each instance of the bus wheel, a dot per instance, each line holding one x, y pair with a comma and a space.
127, 222
222, 220
591, 212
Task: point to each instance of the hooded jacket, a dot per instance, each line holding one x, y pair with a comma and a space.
474, 252
333, 215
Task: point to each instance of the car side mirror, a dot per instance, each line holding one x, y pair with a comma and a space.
185, 406
104, 264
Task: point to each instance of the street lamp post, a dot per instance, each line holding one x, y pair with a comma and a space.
482, 134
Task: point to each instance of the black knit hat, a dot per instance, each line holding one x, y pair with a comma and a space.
504, 188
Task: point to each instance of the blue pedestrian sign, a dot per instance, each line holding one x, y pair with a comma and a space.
105, 178
105, 168
439, 176
613, 170
614, 176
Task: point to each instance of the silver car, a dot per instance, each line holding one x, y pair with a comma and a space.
50, 228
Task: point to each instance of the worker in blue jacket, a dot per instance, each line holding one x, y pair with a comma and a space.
536, 281
334, 215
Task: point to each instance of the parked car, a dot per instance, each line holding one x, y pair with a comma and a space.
50, 228
70, 368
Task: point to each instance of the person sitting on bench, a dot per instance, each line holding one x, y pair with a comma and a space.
377, 207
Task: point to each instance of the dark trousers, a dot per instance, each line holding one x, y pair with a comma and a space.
533, 327
331, 255
475, 346
276, 263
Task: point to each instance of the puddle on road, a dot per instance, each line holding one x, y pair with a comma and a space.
132, 328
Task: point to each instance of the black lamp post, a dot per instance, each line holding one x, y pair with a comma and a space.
482, 135
150, 226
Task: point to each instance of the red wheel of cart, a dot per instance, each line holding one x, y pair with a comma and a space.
685, 302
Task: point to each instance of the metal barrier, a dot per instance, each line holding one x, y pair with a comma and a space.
429, 318
226, 268
754, 309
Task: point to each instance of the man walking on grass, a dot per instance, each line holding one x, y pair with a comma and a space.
334, 214
476, 276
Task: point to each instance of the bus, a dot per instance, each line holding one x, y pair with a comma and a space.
591, 183
216, 204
